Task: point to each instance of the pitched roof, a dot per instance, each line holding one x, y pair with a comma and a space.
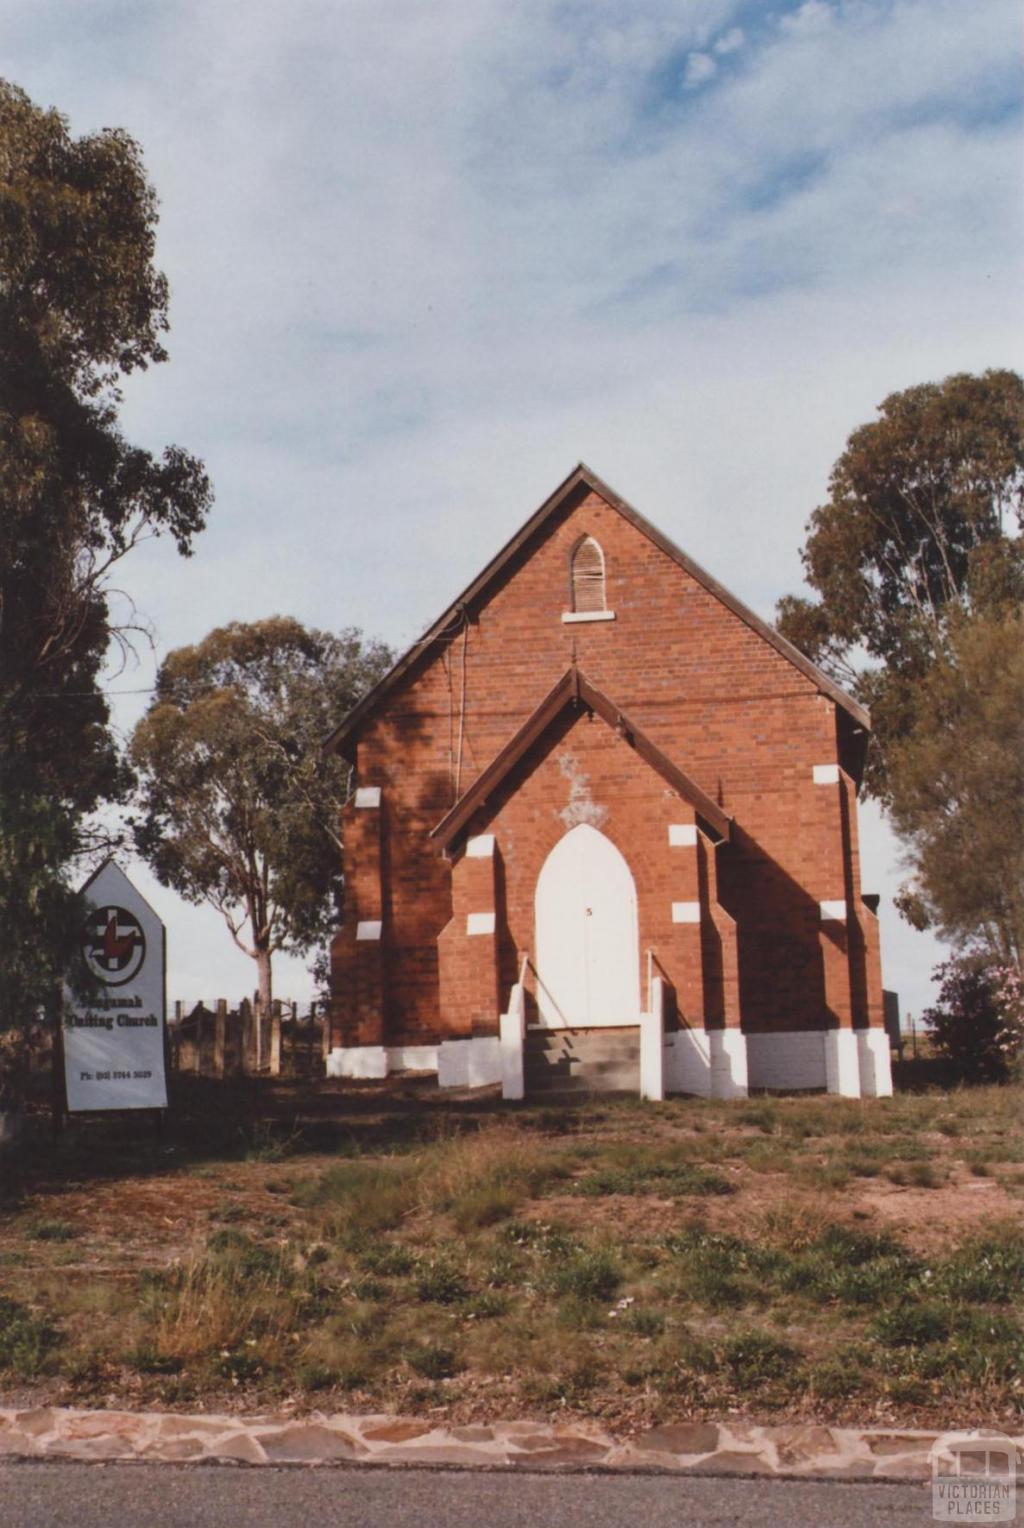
579, 482
574, 688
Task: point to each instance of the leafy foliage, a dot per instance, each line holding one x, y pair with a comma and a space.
240, 805
970, 1023
957, 787
919, 523
81, 306
918, 563
40, 923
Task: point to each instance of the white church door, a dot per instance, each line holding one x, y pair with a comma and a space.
588, 955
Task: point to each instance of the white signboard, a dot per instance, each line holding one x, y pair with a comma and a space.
114, 1045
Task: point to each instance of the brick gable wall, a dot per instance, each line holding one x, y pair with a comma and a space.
713, 695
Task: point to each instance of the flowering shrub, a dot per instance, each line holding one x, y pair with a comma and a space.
1010, 999
978, 1020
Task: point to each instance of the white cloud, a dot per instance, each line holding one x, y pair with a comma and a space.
423, 260
731, 40
700, 67
808, 19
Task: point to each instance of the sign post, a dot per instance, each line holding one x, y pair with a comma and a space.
114, 1045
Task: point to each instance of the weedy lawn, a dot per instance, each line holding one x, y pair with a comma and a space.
384, 1249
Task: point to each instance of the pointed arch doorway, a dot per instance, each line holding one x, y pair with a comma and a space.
587, 934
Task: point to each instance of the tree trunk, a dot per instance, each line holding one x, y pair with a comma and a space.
14, 1068
12, 1126
264, 997
14, 1080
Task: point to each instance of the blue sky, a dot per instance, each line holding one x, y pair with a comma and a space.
425, 258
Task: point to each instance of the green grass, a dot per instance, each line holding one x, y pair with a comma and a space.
388, 1261
591, 1273
755, 1357
644, 1323
841, 1266
997, 1151
768, 1157
916, 1174
947, 1344
669, 1181
909, 1325
988, 1270
27, 1341
600, 1259
49, 1231
441, 1283
433, 1360
478, 1181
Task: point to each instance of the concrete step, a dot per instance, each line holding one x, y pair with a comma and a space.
599, 1031
595, 1047
576, 1064
600, 1060
589, 1045
571, 1062
573, 1086
600, 1075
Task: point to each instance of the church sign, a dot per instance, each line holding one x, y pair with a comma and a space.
114, 1042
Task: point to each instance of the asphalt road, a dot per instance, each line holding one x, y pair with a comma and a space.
48, 1495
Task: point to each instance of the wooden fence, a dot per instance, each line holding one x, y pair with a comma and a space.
218, 1041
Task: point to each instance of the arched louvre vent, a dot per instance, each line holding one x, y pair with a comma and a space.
588, 576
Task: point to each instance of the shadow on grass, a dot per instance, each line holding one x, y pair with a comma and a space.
270, 1120
919, 1074
249, 1120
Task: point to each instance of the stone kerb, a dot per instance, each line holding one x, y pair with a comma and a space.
735, 1447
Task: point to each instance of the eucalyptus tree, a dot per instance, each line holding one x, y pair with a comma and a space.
922, 523
240, 807
917, 561
82, 307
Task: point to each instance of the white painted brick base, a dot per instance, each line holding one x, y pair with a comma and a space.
484, 1061
875, 1063
707, 1063
412, 1058
458, 1063
688, 1062
512, 1036
357, 1061
469, 1063
853, 1063
794, 1059
842, 1063
652, 1045
728, 1063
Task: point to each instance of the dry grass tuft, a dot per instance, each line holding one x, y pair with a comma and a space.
795, 1224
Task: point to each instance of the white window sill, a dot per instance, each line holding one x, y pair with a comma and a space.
587, 615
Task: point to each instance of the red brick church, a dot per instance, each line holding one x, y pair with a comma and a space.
604, 835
